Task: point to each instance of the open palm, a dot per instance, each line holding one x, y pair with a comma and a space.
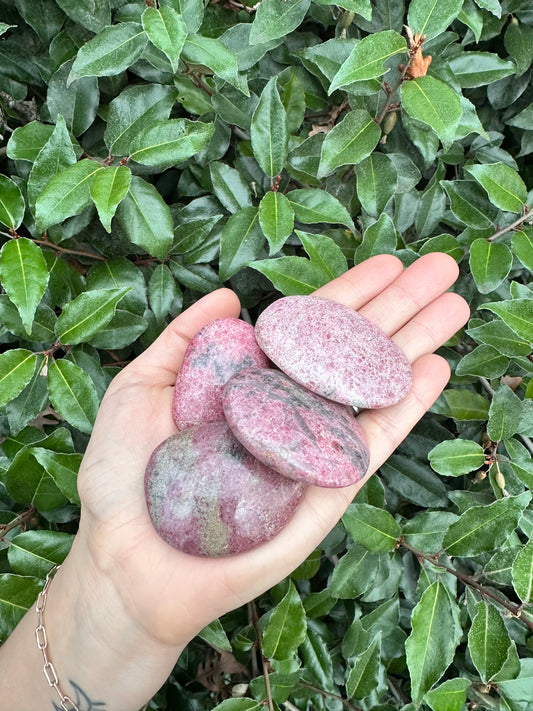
174, 595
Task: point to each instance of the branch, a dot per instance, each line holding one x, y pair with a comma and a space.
19, 520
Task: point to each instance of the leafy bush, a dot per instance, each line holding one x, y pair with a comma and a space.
152, 152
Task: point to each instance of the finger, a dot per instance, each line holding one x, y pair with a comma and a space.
421, 283
358, 285
387, 427
432, 326
163, 358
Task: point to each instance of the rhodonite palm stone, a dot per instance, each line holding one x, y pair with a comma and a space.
333, 351
208, 496
215, 353
294, 431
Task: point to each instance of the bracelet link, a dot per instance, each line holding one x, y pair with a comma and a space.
50, 674
68, 705
40, 634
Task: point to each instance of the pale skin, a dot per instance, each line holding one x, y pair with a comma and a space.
125, 604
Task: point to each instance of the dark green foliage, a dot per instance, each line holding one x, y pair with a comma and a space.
151, 152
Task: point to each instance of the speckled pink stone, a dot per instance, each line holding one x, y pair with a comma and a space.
215, 353
208, 496
333, 351
294, 431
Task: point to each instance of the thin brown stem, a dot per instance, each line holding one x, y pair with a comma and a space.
65, 250
264, 662
526, 217
19, 520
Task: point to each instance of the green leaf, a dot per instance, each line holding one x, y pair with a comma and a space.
518, 41
484, 361
504, 414
26, 141
291, 275
472, 69
286, 627
363, 676
229, 186
516, 313
167, 143
503, 185
435, 634
211, 53
92, 14
378, 238
367, 58
498, 335
462, 405
488, 641
456, 457
133, 111
414, 481
469, 203
523, 572
215, 636
73, 394
481, 529
113, 50
63, 468
349, 142
120, 273
429, 18
371, 527
108, 189
24, 276
162, 291
166, 30
490, 263
67, 194
35, 552
241, 241
4, 27
77, 102
11, 204
313, 206
16, 370
434, 103
448, 696
522, 246
426, 530
145, 218
87, 314
276, 217
376, 182
277, 18
17, 594
269, 130
324, 253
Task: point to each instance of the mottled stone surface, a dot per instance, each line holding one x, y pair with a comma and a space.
294, 431
217, 351
333, 351
208, 496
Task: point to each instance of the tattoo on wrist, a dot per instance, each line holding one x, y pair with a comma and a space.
82, 701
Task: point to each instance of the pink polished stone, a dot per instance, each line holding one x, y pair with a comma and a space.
208, 496
333, 351
294, 431
216, 352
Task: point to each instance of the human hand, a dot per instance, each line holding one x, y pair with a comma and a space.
173, 595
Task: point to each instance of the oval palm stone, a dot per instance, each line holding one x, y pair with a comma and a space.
208, 496
294, 431
215, 353
333, 351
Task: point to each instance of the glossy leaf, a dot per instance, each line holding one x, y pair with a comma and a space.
324, 253
269, 131
488, 641
16, 370
277, 18
522, 246
17, 594
24, 277
167, 143
435, 634
503, 185
112, 51
434, 103
349, 142
73, 394
366, 60
87, 314
490, 263
428, 18
378, 238
241, 241
473, 69
314, 206
210, 52
517, 314
522, 572
63, 468
286, 627
456, 457
11, 203
35, 552
363, 676
276, 217
376, 182
483, 528
291, 275
371, 527
167, 30
162, 291
448, 696
504, 414
108, 189
229, 186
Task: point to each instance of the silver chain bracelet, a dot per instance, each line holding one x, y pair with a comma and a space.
42, 642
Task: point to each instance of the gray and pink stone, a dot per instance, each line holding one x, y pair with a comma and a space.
215, 353
301, 435
333, 351
208, 496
